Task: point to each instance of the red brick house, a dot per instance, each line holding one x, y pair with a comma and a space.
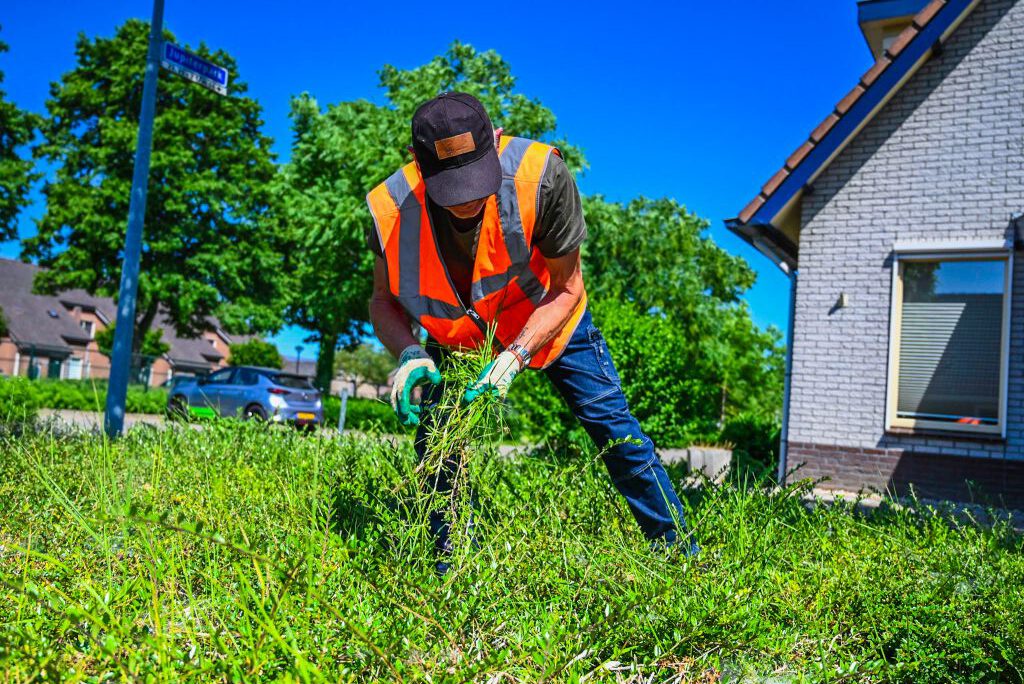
53, 336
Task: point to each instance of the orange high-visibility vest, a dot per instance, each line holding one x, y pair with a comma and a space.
510, 276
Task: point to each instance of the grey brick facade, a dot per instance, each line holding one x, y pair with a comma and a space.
944, 159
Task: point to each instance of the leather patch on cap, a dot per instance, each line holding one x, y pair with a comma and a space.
455, 145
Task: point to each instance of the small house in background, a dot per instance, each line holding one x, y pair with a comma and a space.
54, 336
48, 336
898, 224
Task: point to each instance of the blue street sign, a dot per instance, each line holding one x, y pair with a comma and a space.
195, 69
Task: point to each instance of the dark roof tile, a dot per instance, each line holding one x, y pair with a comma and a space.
29, 318
902, 41
751, 208
774, 182
30, 322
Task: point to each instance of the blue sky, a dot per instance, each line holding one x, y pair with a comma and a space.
700, 101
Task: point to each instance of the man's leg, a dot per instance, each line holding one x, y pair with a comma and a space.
438, 485
586, 377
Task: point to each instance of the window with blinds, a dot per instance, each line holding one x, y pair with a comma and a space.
950, 350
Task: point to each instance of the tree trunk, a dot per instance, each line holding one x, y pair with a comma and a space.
142, 327
325, 361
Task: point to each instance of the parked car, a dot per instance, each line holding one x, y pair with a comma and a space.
251, 393
171, 383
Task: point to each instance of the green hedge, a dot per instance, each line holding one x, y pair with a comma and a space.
362, 414
16, 401
80, 395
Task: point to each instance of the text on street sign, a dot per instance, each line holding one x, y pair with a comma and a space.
194, 68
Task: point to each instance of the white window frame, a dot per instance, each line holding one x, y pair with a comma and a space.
977, 250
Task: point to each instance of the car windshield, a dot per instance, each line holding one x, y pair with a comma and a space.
292, 381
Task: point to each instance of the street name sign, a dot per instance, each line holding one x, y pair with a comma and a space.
195, 69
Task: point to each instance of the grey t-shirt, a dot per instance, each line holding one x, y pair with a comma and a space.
560, 227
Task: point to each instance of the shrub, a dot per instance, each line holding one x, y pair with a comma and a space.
362, 414
537, 413
17, 403
753, 437
86, 395
143, 400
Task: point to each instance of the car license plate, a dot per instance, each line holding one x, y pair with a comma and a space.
306, 416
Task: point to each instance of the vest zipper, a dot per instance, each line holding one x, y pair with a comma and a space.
473, 315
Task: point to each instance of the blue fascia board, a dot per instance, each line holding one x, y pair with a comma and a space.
878, 10
846, 125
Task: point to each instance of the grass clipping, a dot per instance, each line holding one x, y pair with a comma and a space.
456, 434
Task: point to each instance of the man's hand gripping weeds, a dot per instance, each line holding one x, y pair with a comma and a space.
415, 367
496, 377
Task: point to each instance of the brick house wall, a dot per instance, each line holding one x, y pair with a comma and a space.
94, 363
8, 357
944, 159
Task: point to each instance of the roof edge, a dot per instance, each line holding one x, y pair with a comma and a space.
769, 241
875, 88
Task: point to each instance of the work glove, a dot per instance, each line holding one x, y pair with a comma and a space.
415, 367
495, 378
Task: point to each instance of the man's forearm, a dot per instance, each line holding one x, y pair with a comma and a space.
391, 324
557, 306
550, 317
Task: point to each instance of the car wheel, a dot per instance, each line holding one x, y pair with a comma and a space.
177, 408
254, 412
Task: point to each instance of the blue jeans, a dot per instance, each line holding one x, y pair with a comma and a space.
586, 378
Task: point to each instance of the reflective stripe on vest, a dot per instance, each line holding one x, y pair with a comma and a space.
510, 278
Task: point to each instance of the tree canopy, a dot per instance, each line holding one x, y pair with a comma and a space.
209, 244
668, 300
16, 172
321, 196
255, 352
668, 297
367, 363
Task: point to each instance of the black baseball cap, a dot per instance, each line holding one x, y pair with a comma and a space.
454, 144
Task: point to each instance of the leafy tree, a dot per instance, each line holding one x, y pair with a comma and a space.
152, 343
321, 193
255, 352
210, 247
367, 363
3, 323
668, 301
655, 256
16, 174
340, 153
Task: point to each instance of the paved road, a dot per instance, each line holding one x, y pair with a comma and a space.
93, 420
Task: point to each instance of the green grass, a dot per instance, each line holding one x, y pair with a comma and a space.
244, 552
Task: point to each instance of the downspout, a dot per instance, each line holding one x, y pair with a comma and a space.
791, 273
787, 382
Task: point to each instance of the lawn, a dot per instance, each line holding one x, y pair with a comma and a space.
246, 552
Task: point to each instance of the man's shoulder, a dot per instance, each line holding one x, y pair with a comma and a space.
398, 185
